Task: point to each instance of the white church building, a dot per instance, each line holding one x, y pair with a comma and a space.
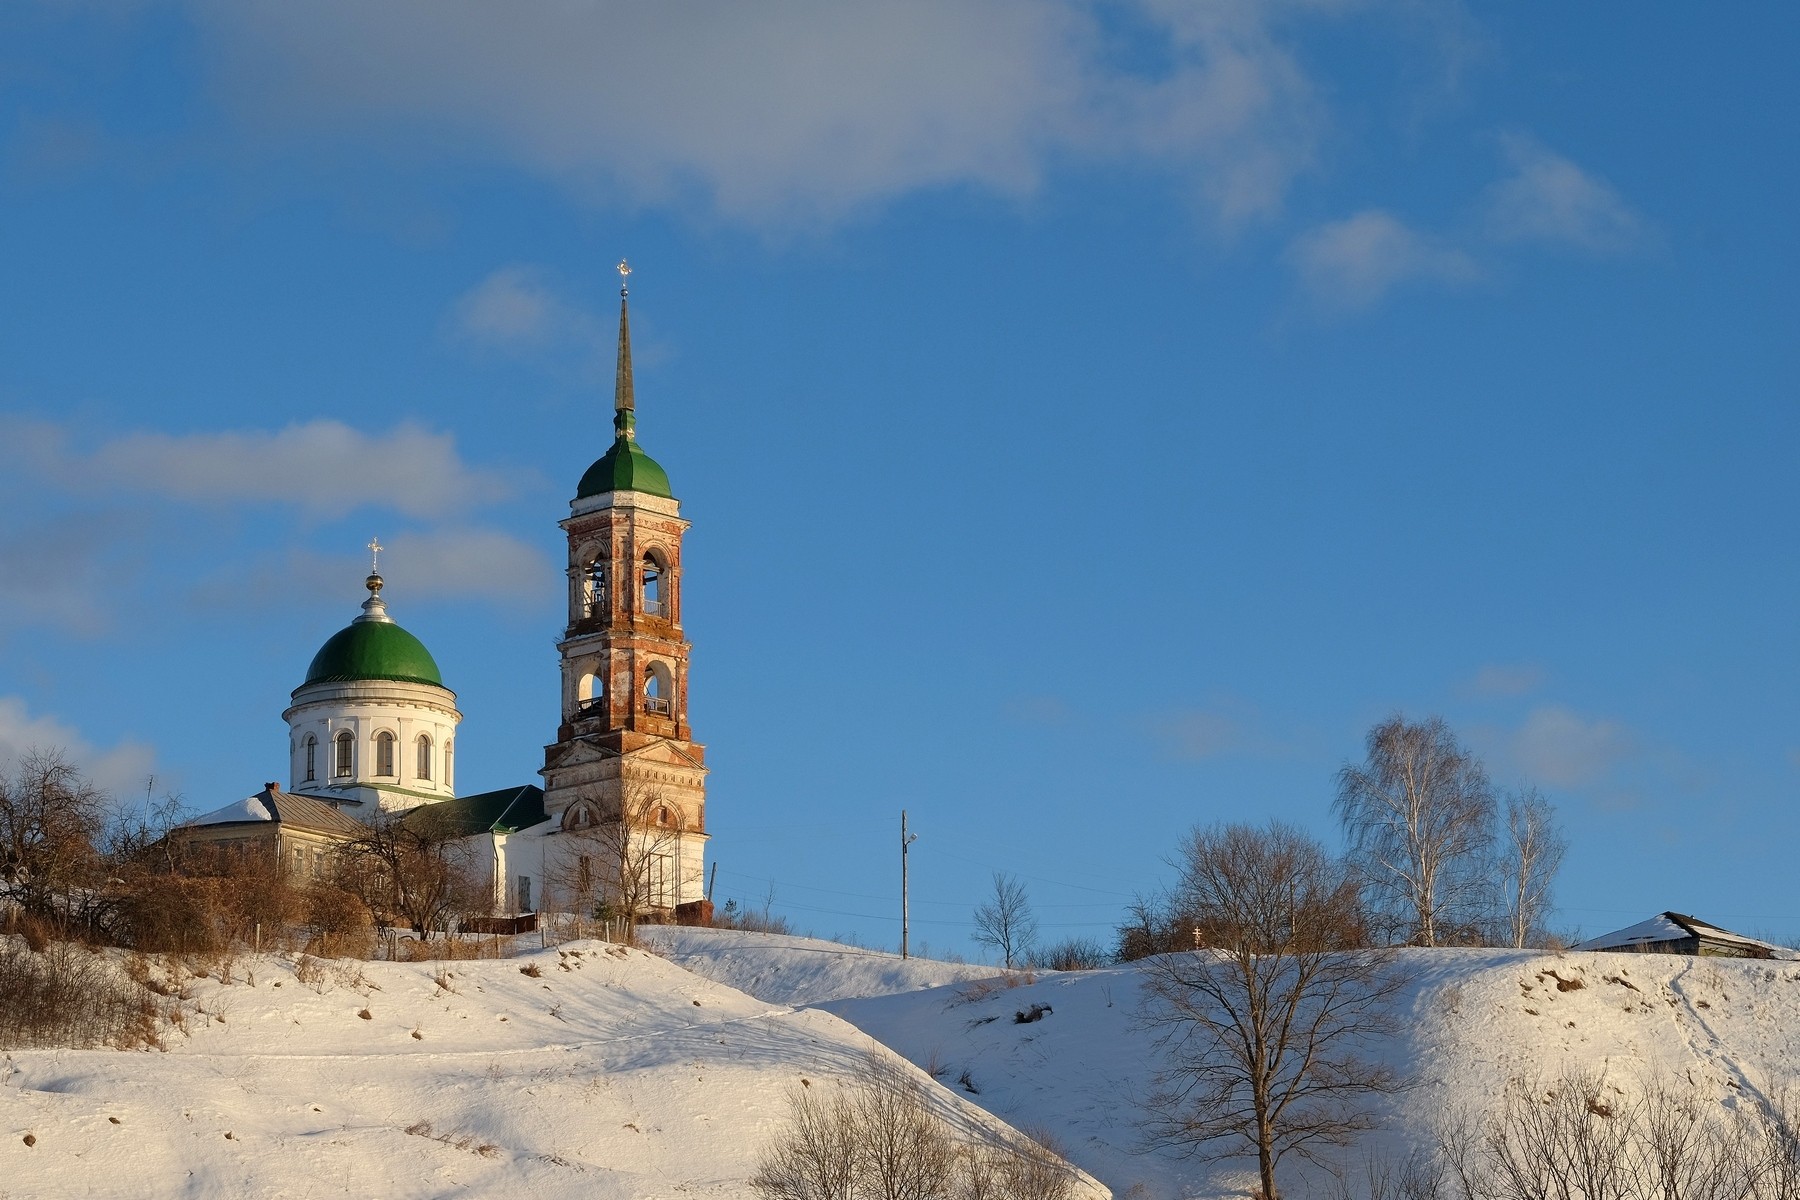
620, 817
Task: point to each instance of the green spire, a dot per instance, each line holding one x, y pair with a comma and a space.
624, 403
624, 467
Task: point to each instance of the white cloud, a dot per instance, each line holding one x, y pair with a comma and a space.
782, 113
1353, 263
1548, 198
1503, 679
322, 468
120, 771
430, 565
517, 308
1559, 747
1196, 734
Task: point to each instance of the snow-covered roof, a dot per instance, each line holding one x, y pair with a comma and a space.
288, 808
250, 808
1669, 927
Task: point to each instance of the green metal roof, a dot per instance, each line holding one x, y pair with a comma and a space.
503, 811
373, 650
625, 468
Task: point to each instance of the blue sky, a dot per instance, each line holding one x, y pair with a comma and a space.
1093, 416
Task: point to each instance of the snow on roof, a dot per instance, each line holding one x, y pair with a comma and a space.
1667, 927
250, 808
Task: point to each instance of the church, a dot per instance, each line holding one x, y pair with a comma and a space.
620, 816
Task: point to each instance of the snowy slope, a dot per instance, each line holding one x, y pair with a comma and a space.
799, 970
613, 1074
1472, 1020
618, 1074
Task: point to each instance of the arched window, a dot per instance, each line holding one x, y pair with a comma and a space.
384, 753
659, 690
312, 758
449, 762
424, 771
579, 816
593, 588
590, 694
346, 752
653, 587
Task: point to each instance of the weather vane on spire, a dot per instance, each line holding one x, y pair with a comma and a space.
624, 277
375, 549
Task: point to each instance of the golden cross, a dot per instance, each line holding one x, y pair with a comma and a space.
624, 275
375, 549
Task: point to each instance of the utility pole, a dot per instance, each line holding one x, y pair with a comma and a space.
906, 839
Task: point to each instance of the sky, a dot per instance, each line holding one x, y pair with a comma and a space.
1093, 416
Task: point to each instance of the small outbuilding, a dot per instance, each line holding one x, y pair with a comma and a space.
1678, 933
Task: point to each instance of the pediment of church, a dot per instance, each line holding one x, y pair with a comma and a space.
577, 754
664, 754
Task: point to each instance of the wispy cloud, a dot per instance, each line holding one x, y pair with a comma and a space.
789, 113
1559, 747
321, 468
119, 770
1547, 198
1503, 680
1193, 735
450, 563
518, 309
1354, 263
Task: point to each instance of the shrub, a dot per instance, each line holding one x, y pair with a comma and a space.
1075, 954
67, 995
881, 1137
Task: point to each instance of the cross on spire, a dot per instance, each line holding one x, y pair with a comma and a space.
624, 270
375, 548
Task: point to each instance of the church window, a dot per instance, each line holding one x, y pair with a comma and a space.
594, 588
449, 776
346, 749
424, 771
384, 753
659, 688
590, 694
580, 816
653, 587
524, 893
312, 757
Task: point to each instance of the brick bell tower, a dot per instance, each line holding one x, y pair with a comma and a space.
624, 755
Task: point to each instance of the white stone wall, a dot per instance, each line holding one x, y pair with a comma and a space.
366, 708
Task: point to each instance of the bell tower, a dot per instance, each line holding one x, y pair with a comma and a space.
624, 760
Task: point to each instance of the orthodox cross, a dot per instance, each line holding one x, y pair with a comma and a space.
375, 549
624, 270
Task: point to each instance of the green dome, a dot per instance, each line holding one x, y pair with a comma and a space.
625, 468
373, 650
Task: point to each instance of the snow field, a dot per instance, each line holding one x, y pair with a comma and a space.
610, 1073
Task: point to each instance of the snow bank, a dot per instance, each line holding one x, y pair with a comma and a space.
610, 1073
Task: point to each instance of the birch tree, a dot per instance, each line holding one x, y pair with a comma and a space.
1419, 816
1534, 853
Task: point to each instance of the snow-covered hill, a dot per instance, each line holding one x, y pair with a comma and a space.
1472, 1020
608, 1073
615, 1073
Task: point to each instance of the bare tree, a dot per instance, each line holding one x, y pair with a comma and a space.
52, 821
409, 870
1419, 816
628, 858
1006, 922
1534, 853
1265, 1026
